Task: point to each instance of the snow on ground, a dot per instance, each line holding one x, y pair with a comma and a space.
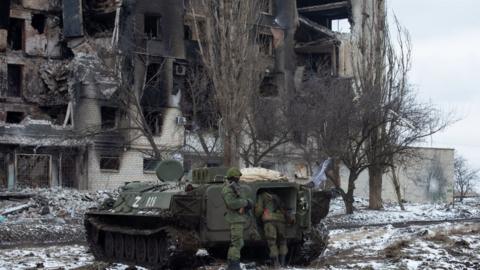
392, 213
441, 246
53, 257
45, 215
453, 245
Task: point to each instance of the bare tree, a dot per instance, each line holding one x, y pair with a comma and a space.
230, 57
465, 176
334, 128
392, 118
200, 108
266, 129
373, 124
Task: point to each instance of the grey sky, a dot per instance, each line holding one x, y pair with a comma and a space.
446, 51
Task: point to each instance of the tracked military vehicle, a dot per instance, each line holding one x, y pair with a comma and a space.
160, 227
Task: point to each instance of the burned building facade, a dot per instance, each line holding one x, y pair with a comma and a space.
67, 66
64, 69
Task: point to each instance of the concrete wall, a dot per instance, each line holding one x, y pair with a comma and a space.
426, 179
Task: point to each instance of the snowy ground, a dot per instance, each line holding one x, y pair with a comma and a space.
449, 245
392, 213
442, 246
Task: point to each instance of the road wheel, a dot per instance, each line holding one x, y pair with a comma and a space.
119, 246
152, 250
162, 249
129, 247
109, 244
141, 249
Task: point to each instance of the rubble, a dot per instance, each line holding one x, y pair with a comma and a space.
60, 202
53, 215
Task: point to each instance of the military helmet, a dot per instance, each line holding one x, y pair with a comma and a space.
233, 172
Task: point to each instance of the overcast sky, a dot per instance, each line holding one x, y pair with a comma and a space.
446, 55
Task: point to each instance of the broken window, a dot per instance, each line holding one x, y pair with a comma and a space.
4, 14
57, 114
150, 164
154, 96
14, 85
33, 170
152, 26
110, 163
14, 117
109, 117
15, 34
68, 171
38, 22
266, 44
153, 75
100, 24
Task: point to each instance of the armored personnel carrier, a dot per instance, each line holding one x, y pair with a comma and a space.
160, 227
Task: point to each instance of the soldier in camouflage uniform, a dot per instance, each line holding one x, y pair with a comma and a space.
269, 209
237, 204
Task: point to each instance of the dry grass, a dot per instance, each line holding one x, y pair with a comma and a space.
394, 251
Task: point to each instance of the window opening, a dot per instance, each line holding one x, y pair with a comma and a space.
4, 14
187, 32
38, 22
57, 114
150, 164
33, 170
14, 85
15, 34
152, 26
109, 117
15, 117
68, 167
110, 163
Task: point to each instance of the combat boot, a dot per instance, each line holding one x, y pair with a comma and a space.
283, 260
233, 265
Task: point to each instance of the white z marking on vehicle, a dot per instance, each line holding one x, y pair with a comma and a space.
137, 200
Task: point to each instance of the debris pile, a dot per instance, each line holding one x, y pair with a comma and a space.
53, 215
48, 203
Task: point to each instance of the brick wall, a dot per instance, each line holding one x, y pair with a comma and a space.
131, 169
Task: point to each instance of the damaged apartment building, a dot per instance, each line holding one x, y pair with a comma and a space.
61, 79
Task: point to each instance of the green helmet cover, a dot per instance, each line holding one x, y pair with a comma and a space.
233, 172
